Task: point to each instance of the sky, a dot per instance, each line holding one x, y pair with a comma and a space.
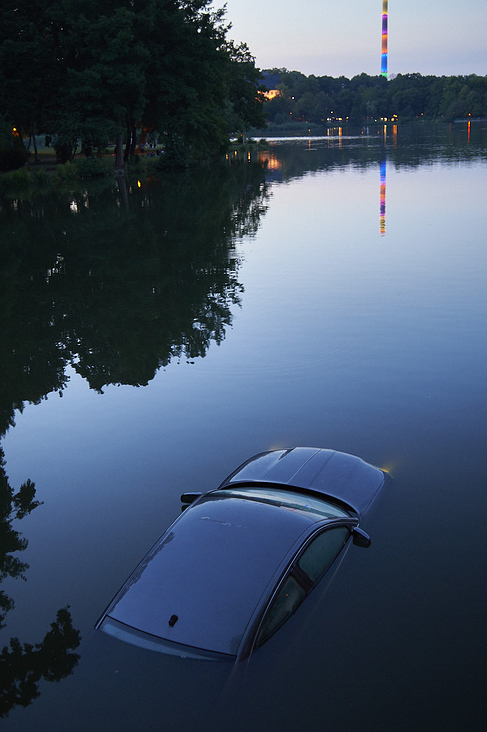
325, 38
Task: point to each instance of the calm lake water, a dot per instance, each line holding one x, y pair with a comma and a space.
329, 292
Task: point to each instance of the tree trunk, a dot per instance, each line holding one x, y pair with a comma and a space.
119, 161
143, 141
122, 187
36, 154
127, 145
133, 141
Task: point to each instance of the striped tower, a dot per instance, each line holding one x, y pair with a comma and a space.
383, 196
383, 63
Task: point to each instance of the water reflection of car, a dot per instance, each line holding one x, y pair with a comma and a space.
240, 559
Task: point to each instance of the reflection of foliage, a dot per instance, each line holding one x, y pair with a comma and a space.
12, 506
121, 282
22, 665
405, 146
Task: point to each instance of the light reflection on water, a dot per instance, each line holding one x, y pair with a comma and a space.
326, 334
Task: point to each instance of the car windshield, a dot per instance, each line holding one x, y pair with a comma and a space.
287, 499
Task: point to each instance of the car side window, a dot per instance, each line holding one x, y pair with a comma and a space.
321, 552
312, 563
285, 603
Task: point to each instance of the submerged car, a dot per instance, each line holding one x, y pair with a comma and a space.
240, 559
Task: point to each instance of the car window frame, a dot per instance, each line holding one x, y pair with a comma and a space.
292, 569
331, 501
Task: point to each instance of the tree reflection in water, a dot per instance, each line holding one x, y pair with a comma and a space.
23, 665
116, 292
118, 289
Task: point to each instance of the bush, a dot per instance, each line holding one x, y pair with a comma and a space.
67, 171
92, 167
16, 178
65, 146
13, 158
39, 176
175, 154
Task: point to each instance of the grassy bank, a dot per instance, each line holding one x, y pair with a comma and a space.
48, 173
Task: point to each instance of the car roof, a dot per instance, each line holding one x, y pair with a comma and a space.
210, 570
331, 473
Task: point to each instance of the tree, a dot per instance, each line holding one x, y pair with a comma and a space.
105, 70
114, 69
31, 74
138, 65
364, 97
12, 152
245, 94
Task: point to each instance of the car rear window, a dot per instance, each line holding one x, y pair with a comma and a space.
322, 551
288, 499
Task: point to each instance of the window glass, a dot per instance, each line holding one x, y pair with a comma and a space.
285, 603
322, 551
287, 499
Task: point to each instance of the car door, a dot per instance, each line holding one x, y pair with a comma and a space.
307, 569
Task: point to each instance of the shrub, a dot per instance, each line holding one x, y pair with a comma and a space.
16, 178
92, 167
39, 176
65, 146
175, 153
67, 171
13, 158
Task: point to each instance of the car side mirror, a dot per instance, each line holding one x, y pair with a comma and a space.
360, 538
189, 497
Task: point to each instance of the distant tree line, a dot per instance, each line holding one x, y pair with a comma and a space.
89, 73
364, 98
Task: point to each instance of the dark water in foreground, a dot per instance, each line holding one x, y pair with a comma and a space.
332, 294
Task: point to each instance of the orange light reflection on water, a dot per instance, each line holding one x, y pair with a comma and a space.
267, 156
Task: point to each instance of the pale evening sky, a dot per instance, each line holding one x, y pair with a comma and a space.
322, 37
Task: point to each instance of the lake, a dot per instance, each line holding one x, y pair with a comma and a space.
326, 292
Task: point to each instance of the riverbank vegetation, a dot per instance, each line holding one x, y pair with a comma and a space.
362, 99
113, 77
92, 74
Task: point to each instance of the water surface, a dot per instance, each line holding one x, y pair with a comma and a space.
330, 292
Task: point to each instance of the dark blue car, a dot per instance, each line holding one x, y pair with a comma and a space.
240, 559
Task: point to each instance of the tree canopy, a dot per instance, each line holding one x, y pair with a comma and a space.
91, 71
365, 98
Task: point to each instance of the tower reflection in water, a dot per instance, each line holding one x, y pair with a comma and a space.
383, 197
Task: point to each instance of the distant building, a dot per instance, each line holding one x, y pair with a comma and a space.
271, 82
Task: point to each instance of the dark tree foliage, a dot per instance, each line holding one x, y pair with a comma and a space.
30, 68
366, 98
23, 665
245, 108
98, 71
12, 506
128, 283
12, 153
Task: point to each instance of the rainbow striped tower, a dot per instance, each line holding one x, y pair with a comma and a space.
383, 168
383, 58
